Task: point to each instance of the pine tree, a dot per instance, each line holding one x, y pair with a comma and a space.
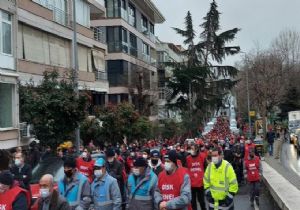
203, 72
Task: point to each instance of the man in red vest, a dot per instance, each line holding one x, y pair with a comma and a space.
12, 197
249, 145
174, 187
85, 165
195, 166
253, 172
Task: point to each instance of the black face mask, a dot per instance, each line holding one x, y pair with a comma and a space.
251, 156
69, 173
154, 161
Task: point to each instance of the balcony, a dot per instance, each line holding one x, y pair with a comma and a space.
100, 75
146, 58
124, 14
61, 17
133, 51
153, 61
117, 47
97, 8
100, 34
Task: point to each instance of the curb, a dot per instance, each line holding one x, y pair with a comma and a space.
286, 195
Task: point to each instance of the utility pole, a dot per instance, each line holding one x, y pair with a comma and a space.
248, 103
75, 70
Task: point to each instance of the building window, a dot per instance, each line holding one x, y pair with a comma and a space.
117, 39
145, 49
133, 45
117, 71
151, 28
144, 24
124, 13
5, 33
83, 13
113, 8
6, 105
132, 15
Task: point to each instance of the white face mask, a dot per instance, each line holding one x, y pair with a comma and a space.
110, 160
168, 166
98, 173
84, 155
248, 141
18, 162
136, 171
215, 160
193, 152
44, 192
145, 156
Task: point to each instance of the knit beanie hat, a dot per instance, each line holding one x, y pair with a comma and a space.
172, 156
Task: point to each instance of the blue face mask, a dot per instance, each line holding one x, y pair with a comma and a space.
44, 192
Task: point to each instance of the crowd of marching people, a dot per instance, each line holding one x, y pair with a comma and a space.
204, 173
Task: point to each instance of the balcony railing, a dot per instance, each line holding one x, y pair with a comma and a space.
124, 14
100, 75
115, 47
153, 61
61, 17
100, 34
146, 58
133, 51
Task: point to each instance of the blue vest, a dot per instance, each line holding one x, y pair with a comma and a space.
143, 190
72, 191
101, 192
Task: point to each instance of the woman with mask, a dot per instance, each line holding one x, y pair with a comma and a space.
75, 187
105, 190
141, 186
174, 186
85, 164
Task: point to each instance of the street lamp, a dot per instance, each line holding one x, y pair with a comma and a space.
75, 70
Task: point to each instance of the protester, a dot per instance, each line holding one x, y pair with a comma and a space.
75, 187
105, 190
115, 169
220, 182
85, 164
49, 197
174, 187
21, 171
253, 172
12, 197
195, 166
155, 162
248, 146
141, 184
270, 138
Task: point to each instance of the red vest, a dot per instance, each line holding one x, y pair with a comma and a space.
7, 199
247, 149
195, 166
86, 168
170, 185
252, 167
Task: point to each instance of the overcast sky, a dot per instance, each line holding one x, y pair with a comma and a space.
260, 21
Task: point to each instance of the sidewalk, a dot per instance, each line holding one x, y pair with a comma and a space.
289, 175
282, 184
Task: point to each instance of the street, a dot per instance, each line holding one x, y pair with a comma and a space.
289, 158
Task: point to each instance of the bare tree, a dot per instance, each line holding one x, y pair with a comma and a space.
287, 47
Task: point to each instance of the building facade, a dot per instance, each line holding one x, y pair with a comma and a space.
167, 53
131, 59
9, 100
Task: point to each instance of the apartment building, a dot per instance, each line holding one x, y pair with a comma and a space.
132, 57
167, 53
45, 42
9, 106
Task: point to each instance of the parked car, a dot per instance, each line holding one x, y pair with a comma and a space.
51, 165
